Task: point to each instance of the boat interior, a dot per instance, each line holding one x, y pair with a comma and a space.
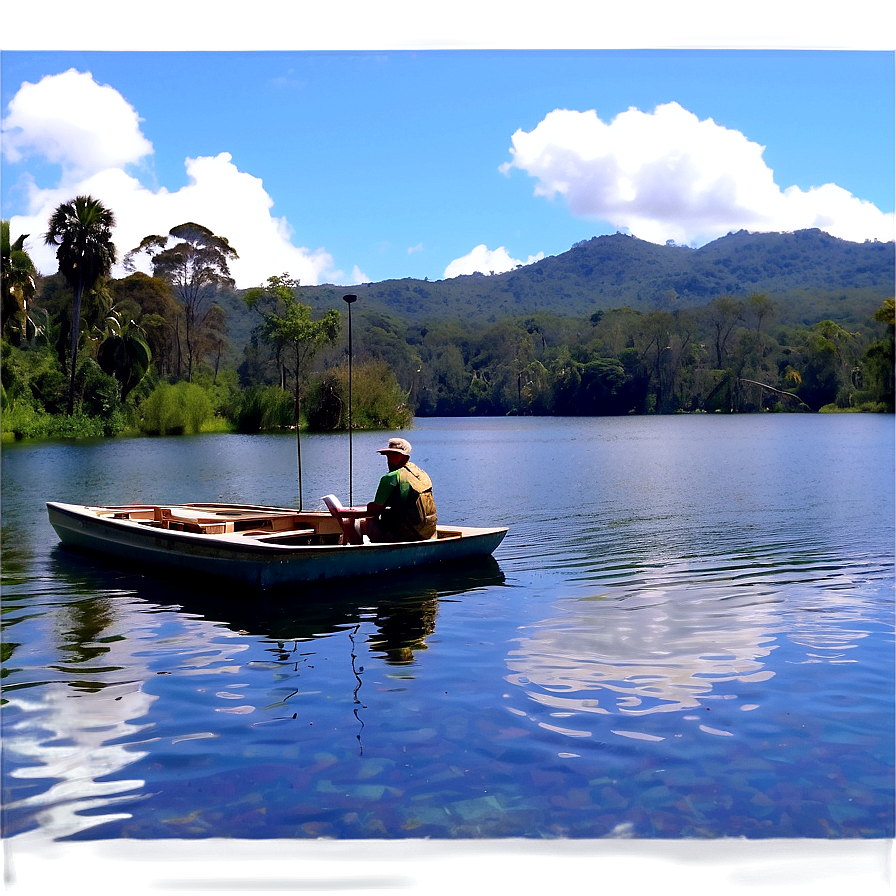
269, 525
261, 523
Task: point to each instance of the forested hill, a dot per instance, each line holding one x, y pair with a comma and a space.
606, 272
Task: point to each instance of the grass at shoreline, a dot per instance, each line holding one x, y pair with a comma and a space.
38, 427
61, 427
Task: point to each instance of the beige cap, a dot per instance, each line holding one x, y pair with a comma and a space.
397, 446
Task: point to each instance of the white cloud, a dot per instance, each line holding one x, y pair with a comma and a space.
486, 261
413, 249
668, 175
358, 276
54, 119
47, 121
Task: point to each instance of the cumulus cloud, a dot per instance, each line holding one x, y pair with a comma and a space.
54, 119
668, 175
358, 276
483, 260
94, 135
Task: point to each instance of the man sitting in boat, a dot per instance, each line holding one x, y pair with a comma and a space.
403, 508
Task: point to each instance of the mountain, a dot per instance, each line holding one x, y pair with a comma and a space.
809, 274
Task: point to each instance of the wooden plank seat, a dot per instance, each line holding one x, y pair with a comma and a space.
188, 519
279, 533
286, 537
209, 522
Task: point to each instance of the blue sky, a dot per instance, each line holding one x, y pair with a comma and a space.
348, 166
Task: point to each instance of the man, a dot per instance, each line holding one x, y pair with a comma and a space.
403, 508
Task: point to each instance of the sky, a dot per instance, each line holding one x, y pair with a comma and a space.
353, 165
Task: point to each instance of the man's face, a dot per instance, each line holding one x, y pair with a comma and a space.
395, 460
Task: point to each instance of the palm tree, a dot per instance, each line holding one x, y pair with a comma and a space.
81, 230
18, 275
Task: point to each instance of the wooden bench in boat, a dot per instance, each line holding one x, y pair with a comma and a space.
269, 525
249, 523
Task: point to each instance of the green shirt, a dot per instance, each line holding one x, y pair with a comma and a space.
410, 511
391, 481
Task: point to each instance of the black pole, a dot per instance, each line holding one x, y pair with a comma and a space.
350, 300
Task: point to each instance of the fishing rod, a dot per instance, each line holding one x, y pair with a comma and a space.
350, 300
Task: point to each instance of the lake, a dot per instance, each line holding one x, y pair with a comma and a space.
687, 635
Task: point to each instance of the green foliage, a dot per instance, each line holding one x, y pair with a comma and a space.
98, 390
150, 302
195, 263
25, 422
124, 354
384, 338
288, 328
378, 402
528, 342
174, 410
33, 377
223, 390
81, 230
18, 283
878, 362
594, 388
264, 408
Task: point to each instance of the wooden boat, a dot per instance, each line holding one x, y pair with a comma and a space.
258, 545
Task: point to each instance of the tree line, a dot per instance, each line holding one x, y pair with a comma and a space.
86, 354
726, 356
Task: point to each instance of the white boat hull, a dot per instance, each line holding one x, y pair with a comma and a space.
289, 547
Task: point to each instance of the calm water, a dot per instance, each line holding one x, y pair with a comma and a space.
688, 633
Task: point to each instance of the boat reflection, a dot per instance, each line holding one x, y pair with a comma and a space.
89, 721
402, 606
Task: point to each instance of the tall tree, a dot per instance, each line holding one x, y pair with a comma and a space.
195, 262
287, 326
151, 302
879, 358
18, 276
760, 306
214, 337
81, 230
723, 314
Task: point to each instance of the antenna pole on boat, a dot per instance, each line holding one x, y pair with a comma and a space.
350, 300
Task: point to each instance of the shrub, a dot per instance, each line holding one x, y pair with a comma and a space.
173, 410
98, 390
378, 402
35, 377
265, 408
22, 421
83, 426
224, 391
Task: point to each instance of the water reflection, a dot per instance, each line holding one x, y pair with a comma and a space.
709, 658
671, 638
637, 654
71, 728
402, 606
83, 712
